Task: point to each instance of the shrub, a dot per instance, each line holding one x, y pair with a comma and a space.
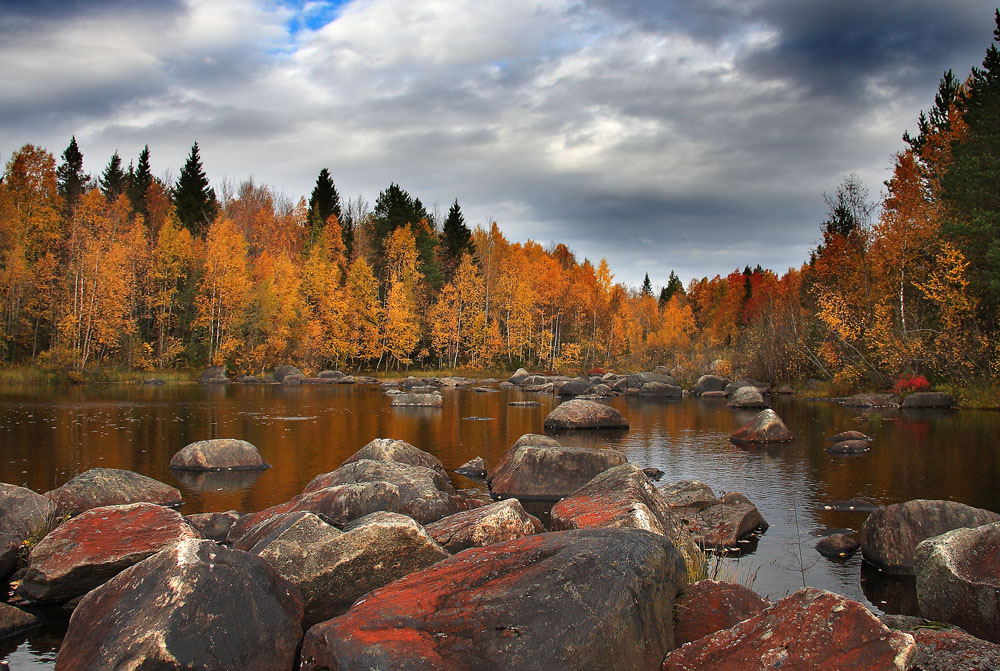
909, 383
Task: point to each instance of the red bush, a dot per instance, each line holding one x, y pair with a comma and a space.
907, 383
595, 371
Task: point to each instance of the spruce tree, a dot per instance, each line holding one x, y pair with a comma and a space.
70, 180
673, 286
113, 180
194, 199
456, 239
139, 180
323, 202
647, 286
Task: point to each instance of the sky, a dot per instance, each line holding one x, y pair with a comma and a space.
662, 135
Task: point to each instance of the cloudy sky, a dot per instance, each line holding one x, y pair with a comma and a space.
694, 136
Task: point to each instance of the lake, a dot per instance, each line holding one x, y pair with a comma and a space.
50, 434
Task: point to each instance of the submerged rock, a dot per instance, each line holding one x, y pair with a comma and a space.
109, 487
218, 454
581, 414
837, 546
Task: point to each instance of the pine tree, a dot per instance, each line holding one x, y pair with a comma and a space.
70, 179
647, 286
674, 286
394, 209
194, 199
323, 202
456, 239
139, 181
113, 180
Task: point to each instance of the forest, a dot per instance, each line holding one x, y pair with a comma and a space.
124, 270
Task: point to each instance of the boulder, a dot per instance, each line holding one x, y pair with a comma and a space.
91, 548
473, 468
195, 605
623, 497
958, 579
942, 647
837, 546
432, 400
333, 569
14, 621
270, 528
660, 390
400, 451
214, 375
928, 399
549, 472
872, 401
349, 379
713, 394
519, 376
293, 379
580, 414
284, 370
155, 381
891, 534
709, 606
786, 390
535, 380
660, 378
810, 630
709, 383
24, 516
330, 374
543, 388
722, 524
687, 498
765, 427
110, 487
218, 454
849, 435
213, 526
586, 600
486, 525
576, 388
733, 387
424, 493
484, 390
747, 397
653, 473
849, 447
535, 439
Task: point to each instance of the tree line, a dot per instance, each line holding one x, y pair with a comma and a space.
127, 270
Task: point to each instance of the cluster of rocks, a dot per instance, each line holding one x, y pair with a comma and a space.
920, 400
656, 384
284, 374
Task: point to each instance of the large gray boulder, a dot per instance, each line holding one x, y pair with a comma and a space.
576, 388
400, 451
431, 400
747, 397
709, 383
194, 605
218, 454
890, 535
660, 390
928, 399
109, 487
214, 375
958, 579
765, 427
284, 370
486, 525
548, 472
582, 414
24, 516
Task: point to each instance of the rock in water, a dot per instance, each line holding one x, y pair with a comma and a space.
928, 399
849, 447
582, 414
747, 397
400, 451
473, 468
111, 487
958, 579
195, 605
849, 435
891, 534
214, 375
837, 546
586, 600
766, 427
218, 454
811, 630
14, 621
432, 400
486, 525
24, 515
549, 471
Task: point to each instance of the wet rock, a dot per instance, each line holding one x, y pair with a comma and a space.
709, 606
687, 498
549, 471
928, 399
519, 376
872, 401
213, 526
14, 621
713, 394
214, 375
586, 600
709, 383
580, 414
432, 400
810, 630
535, 439
660, 390
733, 387
524, 404
486, 525
91, 548
849, 447
400, 451
350, 379
483, 390
218, 454
766, 427
942, 647
24, 516
544, 388
535, 380
891, 534
473, 468
292, 380
195, 605
722, 524
284, 370
576, 388
424, 494
786, 390
265, 531
958, 579
653, 473
849, 435
623, 497
110, 487
747, 397
251, 379
837, 546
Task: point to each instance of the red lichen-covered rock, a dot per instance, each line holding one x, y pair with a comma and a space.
195, 605
709, 606
547, 471
486, 525
424, 493
390, 449
623, 497
766, 427
811, 630
945, 648
334, 569
336, 505
89, 549
958, 579
891, 534
218, 454
588, 600
583, 414
24, 515
111, 487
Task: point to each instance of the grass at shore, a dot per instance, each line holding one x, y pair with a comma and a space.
35, 375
